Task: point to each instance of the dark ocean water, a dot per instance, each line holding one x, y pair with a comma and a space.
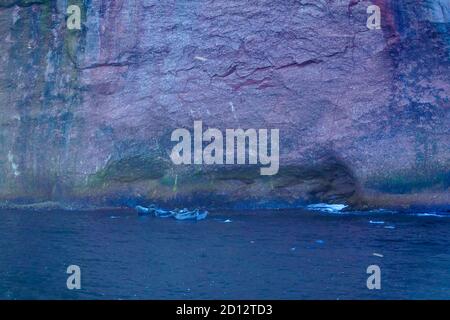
258, 255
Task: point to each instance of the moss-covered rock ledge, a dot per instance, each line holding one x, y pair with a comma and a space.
145, 179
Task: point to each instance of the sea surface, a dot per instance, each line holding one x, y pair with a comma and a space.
292, 254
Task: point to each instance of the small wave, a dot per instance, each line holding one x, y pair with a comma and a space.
325, 207
377, 255
376, 222
223, 220
429, 215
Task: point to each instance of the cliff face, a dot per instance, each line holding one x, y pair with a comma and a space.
86, 115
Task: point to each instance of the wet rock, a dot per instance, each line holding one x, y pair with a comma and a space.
363, 114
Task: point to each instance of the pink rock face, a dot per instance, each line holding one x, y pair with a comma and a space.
363, 114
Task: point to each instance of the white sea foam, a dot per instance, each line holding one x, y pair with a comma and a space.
325, 207
378, 255
430, 215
